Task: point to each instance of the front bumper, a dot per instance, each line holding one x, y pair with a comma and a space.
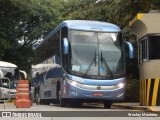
93, 92
7, 96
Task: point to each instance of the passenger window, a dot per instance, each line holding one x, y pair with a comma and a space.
154, 47
143, 50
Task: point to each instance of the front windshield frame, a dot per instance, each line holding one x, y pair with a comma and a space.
93, 55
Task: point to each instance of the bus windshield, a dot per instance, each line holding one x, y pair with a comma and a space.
12, 74
96, 53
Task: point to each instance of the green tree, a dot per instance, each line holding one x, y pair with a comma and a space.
25, 21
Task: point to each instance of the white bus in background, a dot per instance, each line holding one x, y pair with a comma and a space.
9, 71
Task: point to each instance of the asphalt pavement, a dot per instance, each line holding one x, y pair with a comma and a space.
133, 106
130, 107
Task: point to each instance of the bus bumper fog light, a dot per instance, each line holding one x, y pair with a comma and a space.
120, 94
120, 85
72, 82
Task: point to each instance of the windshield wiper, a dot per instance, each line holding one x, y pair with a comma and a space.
106, 65
90, 65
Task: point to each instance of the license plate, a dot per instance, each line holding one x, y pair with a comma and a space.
98, 94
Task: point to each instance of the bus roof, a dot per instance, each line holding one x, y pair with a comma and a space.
87, 25
7, 64
90, 25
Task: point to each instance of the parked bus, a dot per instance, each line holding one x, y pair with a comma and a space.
80, 61
8, 87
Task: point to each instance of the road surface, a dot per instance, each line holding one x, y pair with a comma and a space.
86, 112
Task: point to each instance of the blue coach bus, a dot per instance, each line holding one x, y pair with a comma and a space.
80, 61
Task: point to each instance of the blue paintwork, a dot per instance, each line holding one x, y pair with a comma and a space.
95, 81
88, 94
52, 73
91, 25
82, 93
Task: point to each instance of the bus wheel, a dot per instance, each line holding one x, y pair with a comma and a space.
62, 101
107, 104
38, 99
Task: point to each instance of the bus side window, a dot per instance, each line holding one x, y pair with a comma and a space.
16, 73
9, 75
57, 58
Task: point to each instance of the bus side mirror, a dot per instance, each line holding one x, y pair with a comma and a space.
131, 49
23, 74
65, 46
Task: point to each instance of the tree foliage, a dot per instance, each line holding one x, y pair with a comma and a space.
23, 22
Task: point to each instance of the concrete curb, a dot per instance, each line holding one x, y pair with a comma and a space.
142, 108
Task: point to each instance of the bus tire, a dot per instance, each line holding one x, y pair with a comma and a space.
107, 104
38, 98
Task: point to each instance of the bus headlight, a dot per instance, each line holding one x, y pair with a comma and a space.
120, 85
72, 82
